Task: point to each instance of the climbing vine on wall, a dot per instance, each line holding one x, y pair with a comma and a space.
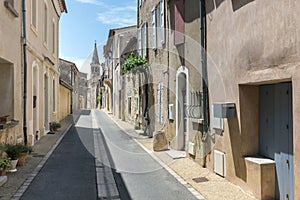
133, 62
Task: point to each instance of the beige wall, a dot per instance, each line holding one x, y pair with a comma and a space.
10, 56
42, 62
64, 102
251, 44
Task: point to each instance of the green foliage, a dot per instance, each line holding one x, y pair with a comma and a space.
55, 125
12, 151
24, 148
4, 163
132, 62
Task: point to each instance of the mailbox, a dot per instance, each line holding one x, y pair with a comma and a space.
171, 111
224, 110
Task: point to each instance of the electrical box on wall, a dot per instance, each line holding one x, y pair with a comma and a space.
171, 111
224, 110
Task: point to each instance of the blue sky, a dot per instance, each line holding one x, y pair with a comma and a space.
90, 20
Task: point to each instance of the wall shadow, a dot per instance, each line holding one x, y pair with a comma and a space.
236, 148
237, 4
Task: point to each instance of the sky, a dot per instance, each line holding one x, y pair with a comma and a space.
88, 21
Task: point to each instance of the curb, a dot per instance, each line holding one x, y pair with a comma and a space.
38, 168
172, 172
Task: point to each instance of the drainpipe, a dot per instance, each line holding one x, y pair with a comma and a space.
25, 73
204, 75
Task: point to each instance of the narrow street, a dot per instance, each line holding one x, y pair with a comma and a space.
70, 172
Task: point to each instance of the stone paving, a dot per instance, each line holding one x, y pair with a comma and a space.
213, 187
40, 150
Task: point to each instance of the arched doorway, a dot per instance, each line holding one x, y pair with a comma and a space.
182, 100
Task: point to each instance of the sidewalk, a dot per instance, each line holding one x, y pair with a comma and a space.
211, 186
33, 161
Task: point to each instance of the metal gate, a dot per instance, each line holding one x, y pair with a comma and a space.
276, 134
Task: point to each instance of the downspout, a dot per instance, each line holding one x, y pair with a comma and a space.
25, 73
204, 75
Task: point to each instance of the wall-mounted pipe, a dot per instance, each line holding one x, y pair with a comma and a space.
25, 72
204, 73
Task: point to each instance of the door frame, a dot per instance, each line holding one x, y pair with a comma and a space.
179, 135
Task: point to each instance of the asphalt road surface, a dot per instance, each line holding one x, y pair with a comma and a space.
70, 172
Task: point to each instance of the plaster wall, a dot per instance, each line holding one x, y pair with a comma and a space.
40, 54
65, 102
10, 55
250, 43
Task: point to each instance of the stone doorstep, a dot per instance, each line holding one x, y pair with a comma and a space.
3, 180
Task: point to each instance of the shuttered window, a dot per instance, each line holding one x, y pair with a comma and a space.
154, 40
160, 112
162, 21
179, 22
145, 39
139, 41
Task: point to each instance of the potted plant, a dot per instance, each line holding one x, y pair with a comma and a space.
13, 153
24, 151
54, 126
4, 165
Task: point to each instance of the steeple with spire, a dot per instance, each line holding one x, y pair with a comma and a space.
95, 65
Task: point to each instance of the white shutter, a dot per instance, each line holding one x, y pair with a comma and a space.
154, 46
162, 21
161, 103
145, 39
158, 103
160, 111
139, 41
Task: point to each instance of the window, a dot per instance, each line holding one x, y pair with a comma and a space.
34, 13
162, 22
53, 38
179, 22
139, 41
45, 24
154, 29
143, 40
160, 112
6, 88
158, 26
54, 95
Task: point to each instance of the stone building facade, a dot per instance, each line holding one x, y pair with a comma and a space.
11, 68
42, 28
82, 90
168, 36
250, 51
68, 89
93, 82
40, 55
118, 40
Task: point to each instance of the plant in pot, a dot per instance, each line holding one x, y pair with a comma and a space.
4, 165
24, 151
54, 126
13, 153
